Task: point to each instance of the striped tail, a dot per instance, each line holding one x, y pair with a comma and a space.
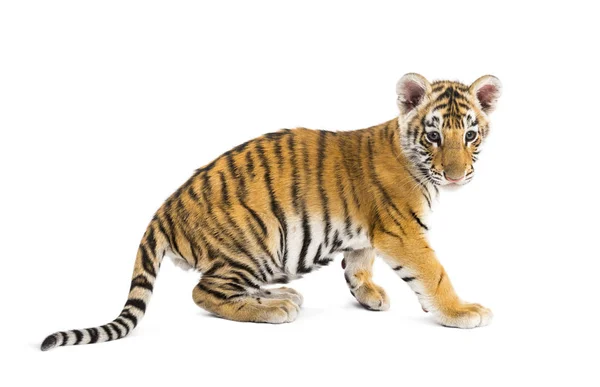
147, 263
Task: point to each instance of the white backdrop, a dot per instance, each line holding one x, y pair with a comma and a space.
107, 107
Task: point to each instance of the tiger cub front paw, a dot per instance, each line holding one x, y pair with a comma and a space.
371, 296
465, 316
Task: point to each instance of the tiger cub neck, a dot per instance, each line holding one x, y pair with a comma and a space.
394, 176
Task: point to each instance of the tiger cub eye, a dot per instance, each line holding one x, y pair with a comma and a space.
433, 136
470, 136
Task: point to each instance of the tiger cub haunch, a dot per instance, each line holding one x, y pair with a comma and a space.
282, 205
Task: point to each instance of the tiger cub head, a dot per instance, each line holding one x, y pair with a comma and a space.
442, 125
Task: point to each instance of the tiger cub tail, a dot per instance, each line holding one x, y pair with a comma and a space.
147, 263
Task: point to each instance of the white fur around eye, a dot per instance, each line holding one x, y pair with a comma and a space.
469, 120
433, 120
470, 124
433, 123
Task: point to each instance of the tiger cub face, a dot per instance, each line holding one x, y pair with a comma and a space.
443, 124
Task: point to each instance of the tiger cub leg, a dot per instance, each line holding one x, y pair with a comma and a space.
231, 300
358, 267
416, 264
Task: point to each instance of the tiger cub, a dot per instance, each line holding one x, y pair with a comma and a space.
282, 205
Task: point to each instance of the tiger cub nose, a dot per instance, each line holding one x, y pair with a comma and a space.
454, 180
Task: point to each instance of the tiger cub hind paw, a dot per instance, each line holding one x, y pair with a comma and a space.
283, 293
268, 310
465, 316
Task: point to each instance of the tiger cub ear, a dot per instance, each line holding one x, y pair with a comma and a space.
412, 89
487, 90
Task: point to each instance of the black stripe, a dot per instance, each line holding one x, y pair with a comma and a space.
184, 231
250, 164
397, 268
408, 279
318, 254
269, 270
236, 286
275, 207
392, 136
78, 337
266, 267
108, 332
344, 200
117, 329
383, 133
337, 242
259, 239
137, 303
224, 189
141, 282
320, 176
325, 261
384, 230
147, 263
276, 135
256, 218
93, 332
263, 273
161, 227
215, 293
225, 278
425, 193
277, 151
172, 236
418, 220
242, 275
241, 192
395, 221
206, 188
305, 242
65, 338
119, 320
294, 171
194, 254
438, 107
193, 193
216, 266
440, 281
463, 106
437, 88
150, 240
128, 315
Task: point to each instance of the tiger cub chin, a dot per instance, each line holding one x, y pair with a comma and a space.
282, 205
